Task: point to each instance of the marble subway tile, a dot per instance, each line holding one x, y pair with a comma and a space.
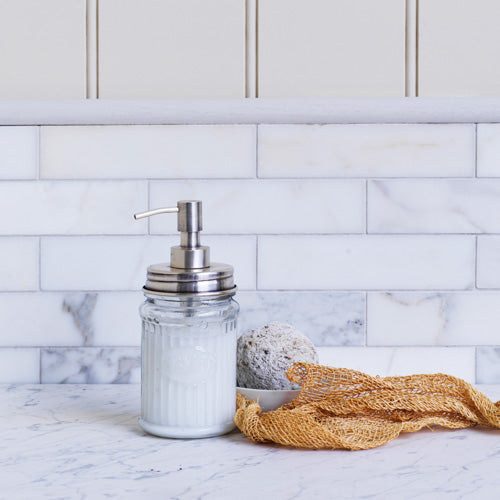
467, 318
19, 269
18, 152
412, 150
20, 366
70, 319
365, 262
66, 207
116, 319
268, 206
488, 365
148, 151
90, 365
488, 262
326, 318
120, 263
394, 361
488, 149
434, 206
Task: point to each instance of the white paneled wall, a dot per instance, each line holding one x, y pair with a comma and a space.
325, 48
248, 48
174, 48
380, 242
43, 49
457, 44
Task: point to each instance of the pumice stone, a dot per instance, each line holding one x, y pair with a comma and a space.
264, 355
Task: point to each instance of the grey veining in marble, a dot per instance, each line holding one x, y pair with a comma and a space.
80, 307
488, 365
74, 441
326, 318
90, 365
433, 206
433, 318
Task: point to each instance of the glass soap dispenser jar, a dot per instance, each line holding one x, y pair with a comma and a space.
189, 327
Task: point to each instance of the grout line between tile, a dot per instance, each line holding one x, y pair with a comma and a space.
356, 234
38, 153
471, 347
475, 262
366, 319
420, 291
330, 235
256, 263
39, 263
475, 151
366, 206
257, 151
149, 206
288, 179
475, 365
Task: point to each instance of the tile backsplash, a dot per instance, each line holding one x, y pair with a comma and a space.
380, 242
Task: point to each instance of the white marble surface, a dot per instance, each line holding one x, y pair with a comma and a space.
20, 269
19, 365
77, 441
267, 206
105, 365
120, 262
488, 365
90, 365
71, 319
488, 261
19, 152
72, 207
434, 206
394, 361
366, 150
488, 149
326, 318
433, 318
368, 262
148, 151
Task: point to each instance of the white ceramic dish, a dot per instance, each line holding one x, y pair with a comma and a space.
268, 399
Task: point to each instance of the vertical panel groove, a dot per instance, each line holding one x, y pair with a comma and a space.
411, 63
92, 91
251, 49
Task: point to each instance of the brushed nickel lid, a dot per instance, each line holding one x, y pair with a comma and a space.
189, 270
164, 278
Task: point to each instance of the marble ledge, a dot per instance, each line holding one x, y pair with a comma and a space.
79, 441
270, 110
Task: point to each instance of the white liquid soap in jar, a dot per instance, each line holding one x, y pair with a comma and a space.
189, 328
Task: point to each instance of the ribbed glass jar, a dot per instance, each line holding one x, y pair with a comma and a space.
188, 385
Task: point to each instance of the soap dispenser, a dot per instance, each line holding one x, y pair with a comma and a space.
189, 328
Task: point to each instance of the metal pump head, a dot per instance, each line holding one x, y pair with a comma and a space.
189, 254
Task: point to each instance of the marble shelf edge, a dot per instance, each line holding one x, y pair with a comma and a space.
250, 111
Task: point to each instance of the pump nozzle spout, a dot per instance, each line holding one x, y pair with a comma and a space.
190, 254
156, 211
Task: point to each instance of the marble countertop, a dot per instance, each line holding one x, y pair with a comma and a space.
83, 441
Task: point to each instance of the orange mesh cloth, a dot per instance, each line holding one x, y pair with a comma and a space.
341, 408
